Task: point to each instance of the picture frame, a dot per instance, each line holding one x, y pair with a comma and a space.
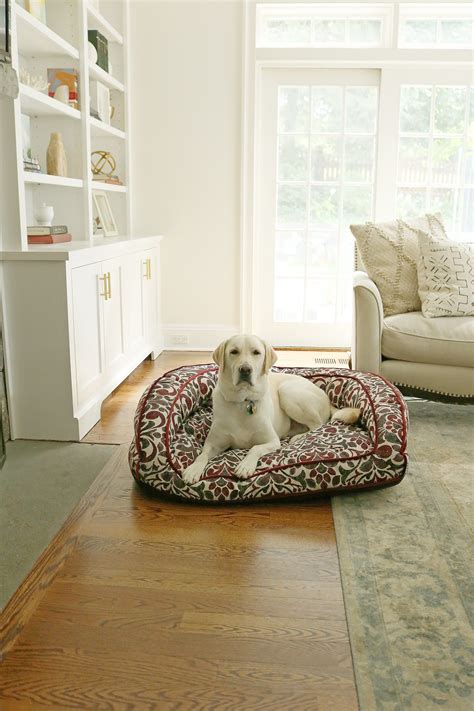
104, 211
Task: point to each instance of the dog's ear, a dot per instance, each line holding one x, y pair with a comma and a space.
270, 357
219, 355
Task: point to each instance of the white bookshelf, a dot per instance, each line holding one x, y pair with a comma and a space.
62, 43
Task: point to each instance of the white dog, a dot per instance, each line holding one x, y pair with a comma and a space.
254, 409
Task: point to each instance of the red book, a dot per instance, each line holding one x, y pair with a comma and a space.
49, 239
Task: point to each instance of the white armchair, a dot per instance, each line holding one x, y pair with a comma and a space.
430, 357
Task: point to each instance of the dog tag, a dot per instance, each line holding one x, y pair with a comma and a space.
250, 407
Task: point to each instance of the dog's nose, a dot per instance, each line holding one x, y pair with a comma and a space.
245, 370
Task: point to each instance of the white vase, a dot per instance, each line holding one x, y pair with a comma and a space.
44, 215
56, 156
62, 94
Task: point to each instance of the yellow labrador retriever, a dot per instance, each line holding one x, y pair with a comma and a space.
254, 409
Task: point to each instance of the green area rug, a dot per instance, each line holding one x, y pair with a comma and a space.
40, 484
405, 555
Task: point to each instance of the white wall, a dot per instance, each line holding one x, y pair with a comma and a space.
186, 74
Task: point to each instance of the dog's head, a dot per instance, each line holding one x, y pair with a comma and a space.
244, 359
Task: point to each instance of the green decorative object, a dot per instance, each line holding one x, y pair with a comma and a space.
102, 47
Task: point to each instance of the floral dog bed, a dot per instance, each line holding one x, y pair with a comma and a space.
174, 415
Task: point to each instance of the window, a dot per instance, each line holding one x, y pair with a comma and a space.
323, 25
443, 25
435, 153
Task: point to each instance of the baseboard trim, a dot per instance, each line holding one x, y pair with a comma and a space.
201, 337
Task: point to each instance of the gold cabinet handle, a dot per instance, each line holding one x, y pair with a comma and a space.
109, 286
105, 293
149, 268
145, 264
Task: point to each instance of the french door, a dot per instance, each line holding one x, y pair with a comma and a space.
316, 175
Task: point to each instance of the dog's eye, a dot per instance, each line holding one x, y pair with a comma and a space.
234, 352
256, 352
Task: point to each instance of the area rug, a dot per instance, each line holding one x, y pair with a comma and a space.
40, 484
405, 556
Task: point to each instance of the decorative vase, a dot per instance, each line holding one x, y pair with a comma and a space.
62, 94
92, 53
56, 156
44, 215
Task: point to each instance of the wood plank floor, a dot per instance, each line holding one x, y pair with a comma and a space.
166, 605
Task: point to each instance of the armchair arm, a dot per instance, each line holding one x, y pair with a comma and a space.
368, 324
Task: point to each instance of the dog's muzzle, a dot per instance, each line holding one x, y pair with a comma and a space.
245, 374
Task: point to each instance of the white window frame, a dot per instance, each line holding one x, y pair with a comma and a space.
437, 12
390, 60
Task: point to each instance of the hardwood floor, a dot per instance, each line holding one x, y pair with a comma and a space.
166, 605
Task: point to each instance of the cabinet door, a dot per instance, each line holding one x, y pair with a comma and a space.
134, 272
87, 297
114, 332
150, 295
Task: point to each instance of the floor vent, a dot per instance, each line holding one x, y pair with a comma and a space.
333, 361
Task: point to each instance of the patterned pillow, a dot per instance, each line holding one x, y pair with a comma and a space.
390, 252
446, 277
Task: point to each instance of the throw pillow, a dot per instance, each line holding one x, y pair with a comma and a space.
445, 277
390, 252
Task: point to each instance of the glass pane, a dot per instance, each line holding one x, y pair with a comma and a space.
356, 204
289, 300
468, 167
359, 159
411, 202
329, 31
471, 114
442, 201
283, 32
293, 154
290, 254
322, 252
326, 109
293, 109
325, 158
365, 32
450, 105
345, 297
321, 300
413, 160
361, 109
456, 32
347, 253
445, 160
419, 32
292, 201
467, 219
324, 205
415, 109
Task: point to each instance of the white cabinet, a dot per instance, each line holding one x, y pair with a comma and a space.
91, 316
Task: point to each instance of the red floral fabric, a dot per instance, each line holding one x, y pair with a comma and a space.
175, 413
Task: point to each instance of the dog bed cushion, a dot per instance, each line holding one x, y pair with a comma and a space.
175, 413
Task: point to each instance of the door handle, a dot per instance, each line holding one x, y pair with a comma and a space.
105, 293
149, 267
108, 285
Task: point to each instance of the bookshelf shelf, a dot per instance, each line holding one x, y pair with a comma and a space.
34, 103
104, 77
101, 130
98, 185
36, 39
59, 181
97, 21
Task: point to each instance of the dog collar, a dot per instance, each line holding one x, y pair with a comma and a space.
250, 407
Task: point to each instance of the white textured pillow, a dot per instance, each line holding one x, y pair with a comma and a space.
445, 277
390, 253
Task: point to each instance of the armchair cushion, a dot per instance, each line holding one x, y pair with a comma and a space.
441, 341
390, 254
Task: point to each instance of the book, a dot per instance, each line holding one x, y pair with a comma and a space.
49, 239
101, 44
36, 231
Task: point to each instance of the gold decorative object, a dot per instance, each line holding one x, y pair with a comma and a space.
103, 163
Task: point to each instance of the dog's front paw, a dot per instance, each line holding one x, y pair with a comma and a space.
245, 468
193, 473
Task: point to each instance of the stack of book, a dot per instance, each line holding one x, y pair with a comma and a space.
50, 234
112, 179
32, 165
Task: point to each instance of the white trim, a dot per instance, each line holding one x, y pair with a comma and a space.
202, 337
